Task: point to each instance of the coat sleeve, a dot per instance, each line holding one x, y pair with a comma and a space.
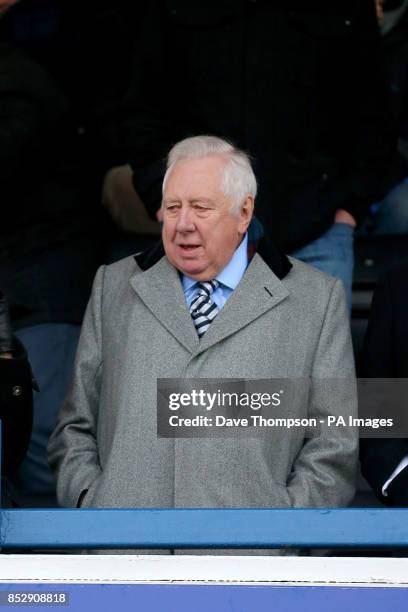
324, 471
73, 451
372, 145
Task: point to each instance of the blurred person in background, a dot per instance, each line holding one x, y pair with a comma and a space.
299, 86
390, 215
16, 403
50, 239
385, 355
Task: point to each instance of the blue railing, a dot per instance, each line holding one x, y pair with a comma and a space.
199, 528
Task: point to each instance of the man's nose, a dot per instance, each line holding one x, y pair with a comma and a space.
185, 221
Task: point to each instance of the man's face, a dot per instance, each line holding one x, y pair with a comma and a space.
200, 234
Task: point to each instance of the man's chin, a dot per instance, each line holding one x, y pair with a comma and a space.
192, 268
194, 272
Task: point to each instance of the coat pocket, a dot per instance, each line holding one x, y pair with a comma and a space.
87, 500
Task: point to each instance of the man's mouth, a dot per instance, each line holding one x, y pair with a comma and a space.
188, 248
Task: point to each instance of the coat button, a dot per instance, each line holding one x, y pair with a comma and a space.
17, 391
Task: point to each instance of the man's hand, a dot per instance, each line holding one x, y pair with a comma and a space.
6, 342
342, 216
124, 204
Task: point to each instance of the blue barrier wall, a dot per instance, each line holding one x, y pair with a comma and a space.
197, 528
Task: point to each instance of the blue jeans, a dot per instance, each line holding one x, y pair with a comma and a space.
332, 253
51, 349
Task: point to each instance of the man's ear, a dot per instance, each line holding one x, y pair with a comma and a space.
245, 214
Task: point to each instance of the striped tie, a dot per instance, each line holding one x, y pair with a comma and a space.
202, 309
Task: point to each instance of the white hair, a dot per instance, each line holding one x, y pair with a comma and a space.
238, 179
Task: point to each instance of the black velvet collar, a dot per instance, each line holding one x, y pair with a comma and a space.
273, 257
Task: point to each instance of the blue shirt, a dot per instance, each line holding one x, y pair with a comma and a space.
228, 278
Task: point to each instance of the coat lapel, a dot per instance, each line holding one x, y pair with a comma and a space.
259, 291
160, 289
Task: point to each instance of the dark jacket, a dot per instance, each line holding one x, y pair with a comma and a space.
35, 179
49, 231
385, 355
16, 408
298, 85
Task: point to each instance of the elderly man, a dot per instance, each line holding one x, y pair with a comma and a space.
208, 306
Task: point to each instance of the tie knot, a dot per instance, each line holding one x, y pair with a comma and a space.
207, 287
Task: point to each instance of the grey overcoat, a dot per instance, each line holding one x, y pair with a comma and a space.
137, 328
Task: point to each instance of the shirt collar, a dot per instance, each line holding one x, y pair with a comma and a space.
231, 275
